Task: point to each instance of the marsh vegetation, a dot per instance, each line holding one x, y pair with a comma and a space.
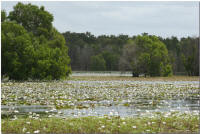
102, 105
40, 95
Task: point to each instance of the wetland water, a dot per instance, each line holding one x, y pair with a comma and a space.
101, 73
133, 109
99, 98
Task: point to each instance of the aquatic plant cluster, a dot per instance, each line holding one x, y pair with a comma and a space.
74, 94
101, 106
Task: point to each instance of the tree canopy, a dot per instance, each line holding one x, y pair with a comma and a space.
31, 46
147, 55
119, 54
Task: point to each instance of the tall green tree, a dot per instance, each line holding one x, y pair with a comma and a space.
33, 19
17, 51
147, 55
155, 55
32, 47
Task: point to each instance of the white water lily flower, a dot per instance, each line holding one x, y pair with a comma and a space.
103, 126
111, 113
36, 132
24, 129
134, 127
16, 111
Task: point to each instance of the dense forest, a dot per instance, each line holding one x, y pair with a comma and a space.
117, 53
33, 48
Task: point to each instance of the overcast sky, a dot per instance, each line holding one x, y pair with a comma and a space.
159, 18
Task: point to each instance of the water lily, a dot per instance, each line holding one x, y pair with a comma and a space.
134, 127
36, 132
102, 126
24, 129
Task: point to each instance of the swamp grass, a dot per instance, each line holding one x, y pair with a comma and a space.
176, 123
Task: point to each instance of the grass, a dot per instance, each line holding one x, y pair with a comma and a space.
176, 123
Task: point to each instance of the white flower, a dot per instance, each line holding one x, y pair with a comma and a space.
16, 111
103, 126
28, 123
124, 122
164, 122
36, 132
24, 129
134, 127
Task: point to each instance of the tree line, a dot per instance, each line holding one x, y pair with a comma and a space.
142, 54
33, 48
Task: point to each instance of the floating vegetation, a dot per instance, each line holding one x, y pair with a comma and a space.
112, 106
71, 94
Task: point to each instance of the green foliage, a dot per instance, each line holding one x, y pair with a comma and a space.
190, 55
120, 53
149, 56
159, 123
166, 70
17, 51
31, 47
82, 46
3, 15
98, 63
111, 60
32, 18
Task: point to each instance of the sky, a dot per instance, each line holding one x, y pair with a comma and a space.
163, 19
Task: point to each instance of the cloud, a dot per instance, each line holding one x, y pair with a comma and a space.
159, 18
